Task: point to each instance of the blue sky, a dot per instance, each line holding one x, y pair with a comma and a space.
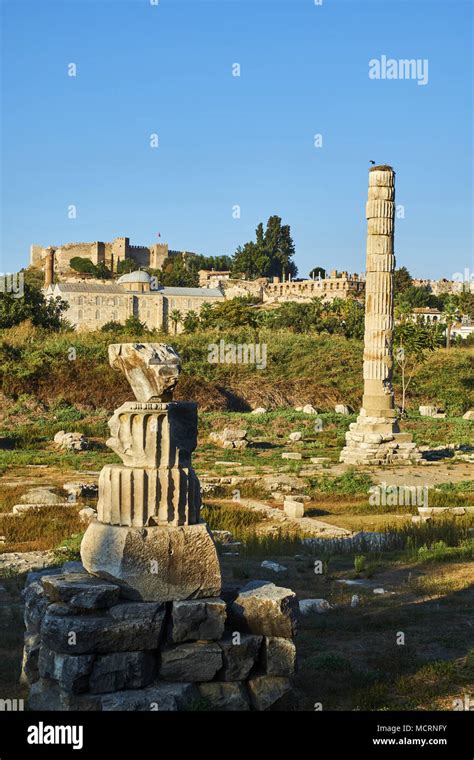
225, 140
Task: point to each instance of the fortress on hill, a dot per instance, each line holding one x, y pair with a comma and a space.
110, 254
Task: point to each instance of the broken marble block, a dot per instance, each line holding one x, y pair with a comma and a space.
152, 369
230, 438
266, 609
240, 652
197, 619
155, 563
194, 661
225, 696
278, 656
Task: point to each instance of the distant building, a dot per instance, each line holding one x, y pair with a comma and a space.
93, 303
110, 254
427, 315
336, 285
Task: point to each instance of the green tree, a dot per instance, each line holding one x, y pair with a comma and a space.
34, 306
450, 314
402, 280
176, 317
237, 312
191, 322
126, 265
86, 266
412, 344
317, 272
270, 255
134, 327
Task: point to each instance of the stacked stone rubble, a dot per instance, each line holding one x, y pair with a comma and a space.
375, 438
88, 648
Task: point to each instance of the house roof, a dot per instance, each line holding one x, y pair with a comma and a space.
109, 288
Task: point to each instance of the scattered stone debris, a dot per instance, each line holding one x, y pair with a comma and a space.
77, 490
293, 508
23, 562
469, 415
294, 437
230, 438
355, 600
307, 409
307, 606
274, 566
71, 441
41, 495
343, 409
379, 591
291, 455
431, 411
87, 514
319, 460
259, 410
22, 509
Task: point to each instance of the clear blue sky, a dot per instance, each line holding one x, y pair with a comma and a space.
225, 140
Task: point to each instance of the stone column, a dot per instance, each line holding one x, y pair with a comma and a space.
49, 267
148, 535
375, 437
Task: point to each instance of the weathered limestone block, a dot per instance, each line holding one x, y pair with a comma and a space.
36, 604
154, 564
230, 438
70, 671
240, 653
222, 696
40, 495
45, 695
266, 690
197, 620
342, 409
122, 670
278, 656
29, 665
142, 497
293, 509
81, 591
469, 415
266, 609
95, 633
71, 441
196, 661
152, 369
154, 434
291, 455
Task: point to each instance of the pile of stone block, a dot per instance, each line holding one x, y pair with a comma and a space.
230, 438
431, 411
70, 441
89, 648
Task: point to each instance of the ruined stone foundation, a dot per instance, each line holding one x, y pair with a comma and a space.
375, 438
88, 648
140, 624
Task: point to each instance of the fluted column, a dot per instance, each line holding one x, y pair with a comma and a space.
375, 437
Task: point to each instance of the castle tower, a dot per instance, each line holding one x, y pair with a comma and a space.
49, 267
375, 437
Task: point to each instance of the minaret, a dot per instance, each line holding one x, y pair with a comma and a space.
375, 437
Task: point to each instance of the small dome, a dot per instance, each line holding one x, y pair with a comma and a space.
138, 276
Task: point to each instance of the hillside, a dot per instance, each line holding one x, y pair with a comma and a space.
318, 369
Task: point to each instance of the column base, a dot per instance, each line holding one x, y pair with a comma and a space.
377, 441
154, 564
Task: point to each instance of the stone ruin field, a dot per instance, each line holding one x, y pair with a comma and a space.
362, 574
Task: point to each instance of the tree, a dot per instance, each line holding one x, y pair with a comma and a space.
134, 327
317, 273
86, 266
34, 306
402, 280
176, 317
125, 266
270, 255
450, 312
413, 342
237, 312
191, 322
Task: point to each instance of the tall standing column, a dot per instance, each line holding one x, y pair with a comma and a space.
375, 437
